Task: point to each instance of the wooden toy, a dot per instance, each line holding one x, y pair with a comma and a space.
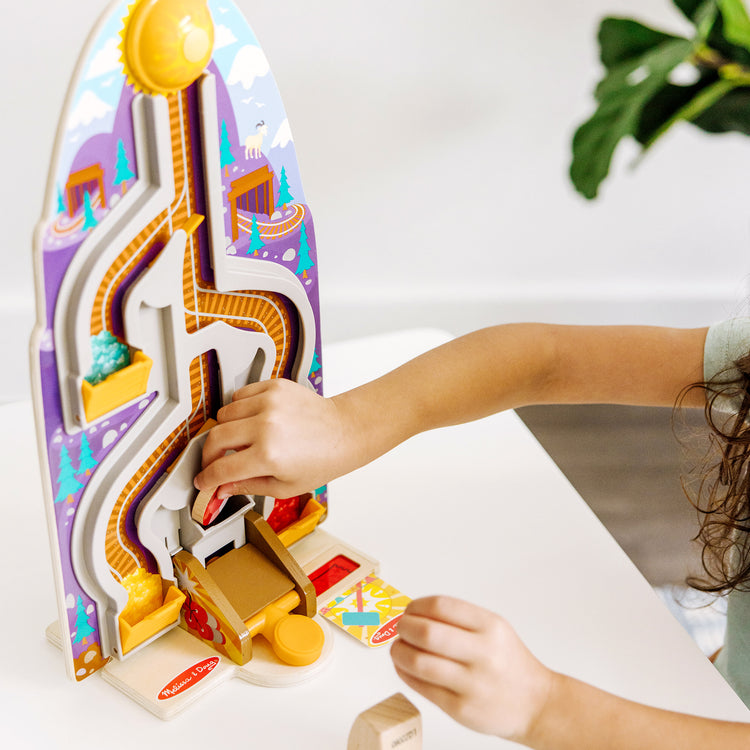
392, 723
175, 262
252, 589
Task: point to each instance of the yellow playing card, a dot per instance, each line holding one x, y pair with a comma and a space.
369, 611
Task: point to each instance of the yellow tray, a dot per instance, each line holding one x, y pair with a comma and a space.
306, 523
132, 635
117, 389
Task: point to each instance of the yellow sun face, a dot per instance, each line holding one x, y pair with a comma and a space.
166, 44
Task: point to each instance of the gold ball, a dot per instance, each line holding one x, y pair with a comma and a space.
167, 43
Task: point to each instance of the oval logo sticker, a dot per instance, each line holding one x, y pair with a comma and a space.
188, 678
386, 632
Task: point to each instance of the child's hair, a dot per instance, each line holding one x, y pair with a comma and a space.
722, 491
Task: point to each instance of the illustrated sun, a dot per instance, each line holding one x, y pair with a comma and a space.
166, 44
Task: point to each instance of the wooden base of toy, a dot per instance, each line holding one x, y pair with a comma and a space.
172, 673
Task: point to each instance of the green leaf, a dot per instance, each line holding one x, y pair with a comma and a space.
724, 31
666, 103
695, 107
621, 94
622, 39
705, 18
729, 114
701, 12
715, 36
736, 22
689, 7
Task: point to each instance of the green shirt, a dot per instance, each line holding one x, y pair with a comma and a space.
725, 343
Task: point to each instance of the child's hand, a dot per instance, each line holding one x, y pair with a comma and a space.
285, 438
471, 664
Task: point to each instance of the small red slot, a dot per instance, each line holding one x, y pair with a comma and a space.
329, 574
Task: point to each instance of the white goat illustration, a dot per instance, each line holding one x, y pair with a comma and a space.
254, 142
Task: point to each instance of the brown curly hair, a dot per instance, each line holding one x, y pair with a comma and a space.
721, 493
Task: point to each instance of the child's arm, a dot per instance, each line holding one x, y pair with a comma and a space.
287, 439
471, 664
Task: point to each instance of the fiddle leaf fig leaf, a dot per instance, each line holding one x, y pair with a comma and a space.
736, 22
623, 39
665, 104
730, 113
705, 18
639, 97
622, 95
689, 7
702, 101
701, 12
722, 25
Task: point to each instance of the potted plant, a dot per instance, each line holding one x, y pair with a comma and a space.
654, 79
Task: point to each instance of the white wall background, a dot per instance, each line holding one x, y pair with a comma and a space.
431, 133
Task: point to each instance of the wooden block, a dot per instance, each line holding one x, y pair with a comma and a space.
392, 723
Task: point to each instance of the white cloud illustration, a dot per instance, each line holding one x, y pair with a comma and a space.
105, 60
89, 108
223, 37
250, 63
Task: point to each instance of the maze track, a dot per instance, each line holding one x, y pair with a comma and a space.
253, 310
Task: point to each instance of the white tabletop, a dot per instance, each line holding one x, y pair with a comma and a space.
477, 511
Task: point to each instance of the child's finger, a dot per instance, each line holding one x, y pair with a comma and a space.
436, 637
268, 486
428, 668
234, 467
251, 389
444, 698
241, 409
450, 611
231, 436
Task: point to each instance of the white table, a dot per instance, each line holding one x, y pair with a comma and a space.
477, 511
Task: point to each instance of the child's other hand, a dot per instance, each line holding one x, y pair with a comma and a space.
276, 438
472, 665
